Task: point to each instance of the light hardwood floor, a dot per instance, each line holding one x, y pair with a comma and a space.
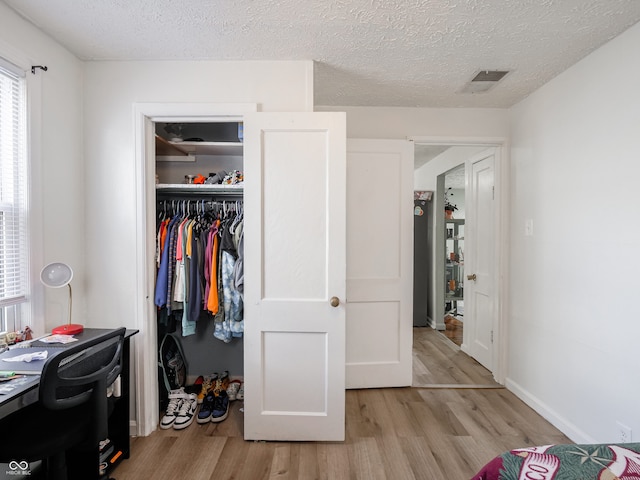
432, 433
438, 361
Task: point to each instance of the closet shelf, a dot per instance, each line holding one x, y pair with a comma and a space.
199, 189
166, 148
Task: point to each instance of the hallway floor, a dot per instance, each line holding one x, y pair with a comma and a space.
454, 328
437, 361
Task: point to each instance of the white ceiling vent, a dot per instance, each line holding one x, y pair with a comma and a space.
483, 81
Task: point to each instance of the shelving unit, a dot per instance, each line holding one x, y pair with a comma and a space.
454, 263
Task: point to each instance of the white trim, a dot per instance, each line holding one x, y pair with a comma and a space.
501, 234
569, 429
145, 351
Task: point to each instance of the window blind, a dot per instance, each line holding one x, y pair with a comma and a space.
13, 188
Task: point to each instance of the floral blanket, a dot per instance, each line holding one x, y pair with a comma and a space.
566, 462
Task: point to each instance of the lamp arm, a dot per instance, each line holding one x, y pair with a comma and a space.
70, 301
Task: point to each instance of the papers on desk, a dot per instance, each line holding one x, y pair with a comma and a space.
14, 359
59, 338
28, 357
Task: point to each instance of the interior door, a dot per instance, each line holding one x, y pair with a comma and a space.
379, 263
479, 288
294, 344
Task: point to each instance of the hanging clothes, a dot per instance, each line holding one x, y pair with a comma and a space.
233, 324
213, 303
199, 266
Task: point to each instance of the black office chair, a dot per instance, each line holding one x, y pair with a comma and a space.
72, 412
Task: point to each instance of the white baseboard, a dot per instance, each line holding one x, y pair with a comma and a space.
435, 325
569, 429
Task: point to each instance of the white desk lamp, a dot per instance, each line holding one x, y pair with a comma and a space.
57, 275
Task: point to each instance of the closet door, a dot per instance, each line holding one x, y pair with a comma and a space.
379, 263
295, 264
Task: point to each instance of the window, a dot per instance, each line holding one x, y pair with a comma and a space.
14, 248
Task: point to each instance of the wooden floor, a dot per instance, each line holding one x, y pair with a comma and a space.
454, 328
434, 433
438, 361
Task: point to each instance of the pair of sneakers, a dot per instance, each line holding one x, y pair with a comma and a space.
181, 410
215, 401
213, 382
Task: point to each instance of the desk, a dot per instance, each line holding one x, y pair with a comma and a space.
27, 393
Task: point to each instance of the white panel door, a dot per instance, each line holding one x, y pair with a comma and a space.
294, 345
379, 263
479, 296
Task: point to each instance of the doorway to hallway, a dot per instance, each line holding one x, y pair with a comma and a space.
453, 259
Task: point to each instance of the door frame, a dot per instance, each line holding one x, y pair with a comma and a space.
501, 233
145, 346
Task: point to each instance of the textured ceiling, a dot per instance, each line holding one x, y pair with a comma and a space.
367, 52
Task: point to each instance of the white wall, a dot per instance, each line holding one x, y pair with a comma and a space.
111, 91
437, 123
57, 164
574, 322
424, 178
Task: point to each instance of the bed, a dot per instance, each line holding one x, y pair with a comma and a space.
566, 462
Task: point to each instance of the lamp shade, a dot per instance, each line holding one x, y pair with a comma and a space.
56, 275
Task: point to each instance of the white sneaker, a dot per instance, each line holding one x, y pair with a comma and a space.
240, 394
233, 389
175, 402
187, 412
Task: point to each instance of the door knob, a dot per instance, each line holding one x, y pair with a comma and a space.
471, 277
335, 301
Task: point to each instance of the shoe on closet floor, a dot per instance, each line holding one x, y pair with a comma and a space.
207, 383
233, 389
176, 398
240, 394
187, 412
220, 407
221, 383
196, 387
206, 409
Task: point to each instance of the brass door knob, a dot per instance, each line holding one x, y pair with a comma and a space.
335, 301
471, 277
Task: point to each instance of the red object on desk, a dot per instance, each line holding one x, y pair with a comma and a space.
68, 329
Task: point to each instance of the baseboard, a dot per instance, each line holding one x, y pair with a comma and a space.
569, 429
435, 325
133, 428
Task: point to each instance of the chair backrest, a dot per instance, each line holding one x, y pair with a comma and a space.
81, 373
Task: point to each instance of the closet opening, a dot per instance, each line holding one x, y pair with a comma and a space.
199, 277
